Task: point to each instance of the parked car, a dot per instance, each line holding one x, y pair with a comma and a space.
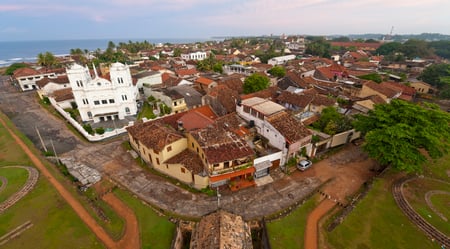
304, 165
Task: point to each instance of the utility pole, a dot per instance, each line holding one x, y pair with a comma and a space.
40, 138
54, 151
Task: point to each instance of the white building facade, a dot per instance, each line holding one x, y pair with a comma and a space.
196, 56
99, 99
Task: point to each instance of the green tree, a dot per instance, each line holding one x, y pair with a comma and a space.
416, 48
332, 122
341, 39
277, 71
395, 133
13, 67
320, 48
389, 48
434, 74
255, 82
47, 59
441, 48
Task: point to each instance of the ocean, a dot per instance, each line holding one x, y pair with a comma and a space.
27, 51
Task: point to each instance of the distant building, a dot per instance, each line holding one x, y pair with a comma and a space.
280, 60
100, 99
196, 56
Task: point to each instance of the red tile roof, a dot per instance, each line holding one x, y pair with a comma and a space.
63, 94
63, 79
291, 129
186, 72
204, 81
189, 159
25, 71
389, 92
154, 134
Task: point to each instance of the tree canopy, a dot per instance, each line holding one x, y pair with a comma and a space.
255, 82
319, 47
332, 122
10, 70
436, 74
277, 71
396, 133
47, 59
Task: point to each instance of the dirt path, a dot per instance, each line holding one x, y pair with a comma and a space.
313, 221
347, 170
77, 207
131, 238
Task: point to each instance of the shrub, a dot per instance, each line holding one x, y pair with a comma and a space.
88, 129
100, 130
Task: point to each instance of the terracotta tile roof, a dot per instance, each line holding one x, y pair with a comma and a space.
300, 100
201, 118
226, 97
154, 134
63, 79
406, 90
220, 142
25, 71
186, 72
291, 129
323, 100
234, 83
221, 230
189, 159
383, 89
63, 94
204, 81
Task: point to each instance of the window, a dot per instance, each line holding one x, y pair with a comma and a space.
157, 161
85, 101
89, 114
99, 84
197, 150
104, 101
215, 165
120, 80
183, 170
226, 165
111, 101
169, 148
175, 103
127, 110
192, 144
96, 102
124, 97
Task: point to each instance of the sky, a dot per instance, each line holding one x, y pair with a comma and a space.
203, 19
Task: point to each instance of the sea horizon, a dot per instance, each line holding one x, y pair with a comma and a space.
27, 50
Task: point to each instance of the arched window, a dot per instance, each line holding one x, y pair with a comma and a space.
89, 114
127, 110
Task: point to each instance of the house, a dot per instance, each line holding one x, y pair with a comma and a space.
422, 87
204, 83
240, 69
368, 103
292, 79
222, 99
370, 88
185, 73
26, 77
171, 98
221, 230
280, 60
273, 122
64, 97
297, 102
407, 92
100, 99
191, 96
197, 56
320, 102
162, 144
47, 86
148, 78
225, 153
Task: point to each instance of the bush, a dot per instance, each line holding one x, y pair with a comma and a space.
46, 100
100, 130
74, 105
88, 129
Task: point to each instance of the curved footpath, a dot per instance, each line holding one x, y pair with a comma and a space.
33, 176
430, 230
77, 207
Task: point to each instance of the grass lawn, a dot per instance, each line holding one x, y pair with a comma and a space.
16, 179
289, 231
146, 112
415, 191
156, 231
377, 222
55, 224
438, 168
